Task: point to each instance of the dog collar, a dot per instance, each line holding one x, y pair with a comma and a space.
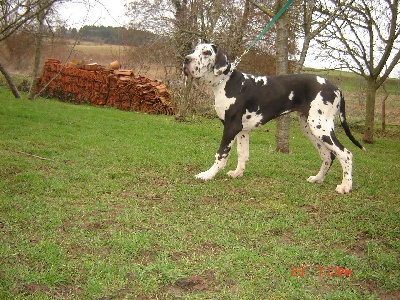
229, 70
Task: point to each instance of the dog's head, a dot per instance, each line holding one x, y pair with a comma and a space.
206, 58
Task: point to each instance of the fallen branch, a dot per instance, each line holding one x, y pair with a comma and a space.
32, 155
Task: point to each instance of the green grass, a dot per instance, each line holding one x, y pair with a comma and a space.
112, 211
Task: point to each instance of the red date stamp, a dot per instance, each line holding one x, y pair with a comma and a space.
329, 271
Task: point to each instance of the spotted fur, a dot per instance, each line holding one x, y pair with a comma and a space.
244, 102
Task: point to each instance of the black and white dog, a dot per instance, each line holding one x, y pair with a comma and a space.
244, 101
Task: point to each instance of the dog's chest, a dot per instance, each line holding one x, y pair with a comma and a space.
222, 102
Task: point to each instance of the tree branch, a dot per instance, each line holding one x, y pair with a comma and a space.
263, 8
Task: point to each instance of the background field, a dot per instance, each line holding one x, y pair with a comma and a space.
97, 203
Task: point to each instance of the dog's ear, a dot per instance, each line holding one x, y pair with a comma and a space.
221, 61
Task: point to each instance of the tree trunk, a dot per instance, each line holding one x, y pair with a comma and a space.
38, 52
184, 100
10, 82
282, 67
184, 45
384, 107
282, 133
370, 111
237, 47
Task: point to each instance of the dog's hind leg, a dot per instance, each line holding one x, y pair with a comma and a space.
346, 161
242, 140
345, 158
326, 155
326, 137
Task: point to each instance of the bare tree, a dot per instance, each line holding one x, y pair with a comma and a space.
222, 21
14, 15
9, 81
312, 22
364, 39
40, 17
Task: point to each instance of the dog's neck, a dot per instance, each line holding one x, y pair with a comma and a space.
216, 80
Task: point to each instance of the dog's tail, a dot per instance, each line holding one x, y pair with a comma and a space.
345, 125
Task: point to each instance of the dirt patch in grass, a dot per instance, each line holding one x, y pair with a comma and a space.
389, 296
9, 172
372, 286
362, 239
206, 282
122, 294
32, 289
148, 256
207, 200
68, 291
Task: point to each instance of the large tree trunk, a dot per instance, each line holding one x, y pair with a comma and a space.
370, 111
38, 52
9, 81
183, 105
282, 67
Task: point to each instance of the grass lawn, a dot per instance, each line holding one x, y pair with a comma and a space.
97, 203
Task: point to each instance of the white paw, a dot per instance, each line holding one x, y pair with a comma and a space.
315, 179
343, 189
235, 174
204, 176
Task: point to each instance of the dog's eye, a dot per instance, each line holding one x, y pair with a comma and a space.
207, 53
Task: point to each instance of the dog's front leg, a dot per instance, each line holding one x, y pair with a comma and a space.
242, 141
221, 157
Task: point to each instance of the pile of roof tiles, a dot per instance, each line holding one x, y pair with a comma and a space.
92, 84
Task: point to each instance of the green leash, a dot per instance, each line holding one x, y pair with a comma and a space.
277, 16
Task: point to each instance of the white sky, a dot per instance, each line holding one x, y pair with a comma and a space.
78, 13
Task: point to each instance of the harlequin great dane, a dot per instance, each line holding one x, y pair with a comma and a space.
244, 101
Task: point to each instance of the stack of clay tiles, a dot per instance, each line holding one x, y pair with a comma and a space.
92, 84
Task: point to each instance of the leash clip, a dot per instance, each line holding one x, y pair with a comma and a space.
238, 59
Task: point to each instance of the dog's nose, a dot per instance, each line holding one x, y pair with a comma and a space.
187, 60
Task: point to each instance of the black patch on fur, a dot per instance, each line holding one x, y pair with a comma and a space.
221, 59
327, 139
336, 141
328, 92
332, 157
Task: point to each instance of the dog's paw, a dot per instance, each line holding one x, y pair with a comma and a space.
204, 176
343, 189
235, 174
315, 179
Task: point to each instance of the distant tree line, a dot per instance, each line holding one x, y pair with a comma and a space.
107, 35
